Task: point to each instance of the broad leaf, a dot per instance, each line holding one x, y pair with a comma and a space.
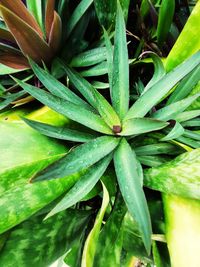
179, 176
109, 246
51, 239
66, 108
92, 239
192, 134
35, 7
55, 33
147, 101
155, 149
49, 17
80, 158
20, 10
83, 186
187, 115
130, 185
109, 56
120, 78
19, 203
4, 69
23, 33
141, 125
63, 133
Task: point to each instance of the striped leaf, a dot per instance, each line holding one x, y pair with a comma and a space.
130, 185
179, 176
40, 243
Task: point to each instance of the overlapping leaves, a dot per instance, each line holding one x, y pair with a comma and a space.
116, 122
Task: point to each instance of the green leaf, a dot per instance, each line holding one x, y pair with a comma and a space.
89, 57
179, 176
175, 132
120, 82
106, 11
83, 186
77, 15
165, 19
191, 123
94, 97
92, 239
96, 70
155, 149
192, 135
19, 203
141, 125
7, 70
63, 133
10, 98
80, 158
109, 55
56, 87
147, 101
172, 110
66, 108
35, 7
41, 243
130, 185
159, 70
185, 86
187, 115
109, 246
31, 153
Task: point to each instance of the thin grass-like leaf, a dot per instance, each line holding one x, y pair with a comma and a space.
66, 108
77, 15
89, 57
97, 70
187, 115
141, 125
147, 101
185, 86
62, 133
159, 70
82, 187
35, 7
172, 110
94, 97
56, 87
80, 158
176, 131
120, 78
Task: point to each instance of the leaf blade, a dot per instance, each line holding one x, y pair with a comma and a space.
130, 186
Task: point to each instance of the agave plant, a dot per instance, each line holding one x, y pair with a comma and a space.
114, 127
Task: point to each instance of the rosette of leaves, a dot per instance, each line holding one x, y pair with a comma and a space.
113, 127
